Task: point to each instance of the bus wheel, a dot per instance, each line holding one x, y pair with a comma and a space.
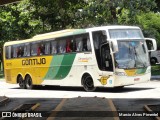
28, 82
21, 82
88, 83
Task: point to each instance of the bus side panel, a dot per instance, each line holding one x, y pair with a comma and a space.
69, 71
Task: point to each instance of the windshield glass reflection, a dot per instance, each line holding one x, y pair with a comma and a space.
131, 54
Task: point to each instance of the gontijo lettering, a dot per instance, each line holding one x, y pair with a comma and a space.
34, 61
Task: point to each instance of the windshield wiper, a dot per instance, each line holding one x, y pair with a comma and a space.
128, 63
137, 56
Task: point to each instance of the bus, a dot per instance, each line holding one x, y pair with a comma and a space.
105, 56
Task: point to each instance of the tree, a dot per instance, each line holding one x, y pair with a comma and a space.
30, 17
150, 23
57, 14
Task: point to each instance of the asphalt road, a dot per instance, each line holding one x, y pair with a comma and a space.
143, 90
128, 99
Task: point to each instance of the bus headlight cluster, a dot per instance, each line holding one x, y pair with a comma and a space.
120, 73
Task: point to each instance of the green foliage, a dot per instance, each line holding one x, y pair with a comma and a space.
150, 22
16, 21
130, 9
30, 17
155, 69
57, 14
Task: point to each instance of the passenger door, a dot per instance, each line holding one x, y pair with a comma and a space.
106, 59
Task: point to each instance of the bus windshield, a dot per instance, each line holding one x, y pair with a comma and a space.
125, 33
131, 54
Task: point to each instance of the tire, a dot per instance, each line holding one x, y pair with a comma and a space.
28, 82
88, 84
153, 61
21, 82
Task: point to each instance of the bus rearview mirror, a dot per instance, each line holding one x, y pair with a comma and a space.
114, 46
151, 44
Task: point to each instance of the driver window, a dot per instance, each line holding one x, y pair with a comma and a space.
98, 39
106, 60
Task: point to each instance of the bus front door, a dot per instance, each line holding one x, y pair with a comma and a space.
106, 59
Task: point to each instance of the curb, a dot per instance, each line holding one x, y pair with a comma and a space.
155, 77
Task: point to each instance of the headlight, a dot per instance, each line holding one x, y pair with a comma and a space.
120, 73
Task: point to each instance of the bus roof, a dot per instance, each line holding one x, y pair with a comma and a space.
68, 32
111, 27
50, 35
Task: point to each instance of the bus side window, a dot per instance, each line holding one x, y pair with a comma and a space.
34, 49
53, 47
20, 51
86, 44
74, 46
69, 46
79, 44
26, 50
8, 52
47, 48
38, 50
14, 51
41, 49
62, 46
82, 43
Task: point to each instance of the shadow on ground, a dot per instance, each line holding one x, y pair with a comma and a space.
80, 89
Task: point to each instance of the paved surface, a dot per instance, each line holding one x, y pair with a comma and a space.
144, 90
83, 108
156, 77
75, 103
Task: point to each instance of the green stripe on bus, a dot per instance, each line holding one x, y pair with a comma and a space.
79, 31
75, 32
141, 71
65, 66
54, 67
60, 66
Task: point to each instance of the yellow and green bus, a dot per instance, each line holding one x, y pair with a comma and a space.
106, 56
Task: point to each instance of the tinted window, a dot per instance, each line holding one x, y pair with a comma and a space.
53, 47
20, 51
61, 46
8, 52
35, 50
26, 49
47, 48
83, 43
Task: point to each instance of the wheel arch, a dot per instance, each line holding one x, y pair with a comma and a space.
27, 74
84, 74
19, 74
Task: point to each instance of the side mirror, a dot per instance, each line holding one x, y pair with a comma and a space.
151, 44
114, 45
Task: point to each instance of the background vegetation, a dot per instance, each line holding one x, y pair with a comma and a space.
155, 69
29, 17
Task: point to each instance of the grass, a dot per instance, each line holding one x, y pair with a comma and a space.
155, 70
1, 74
